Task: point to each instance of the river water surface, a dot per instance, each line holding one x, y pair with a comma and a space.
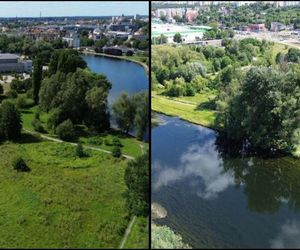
216, 201
124, 75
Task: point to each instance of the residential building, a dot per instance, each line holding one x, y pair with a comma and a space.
73, 41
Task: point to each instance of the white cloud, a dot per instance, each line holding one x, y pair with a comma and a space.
289, 236
198, 161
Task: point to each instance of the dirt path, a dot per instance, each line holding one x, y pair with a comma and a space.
75, 144
127, 232
176, 101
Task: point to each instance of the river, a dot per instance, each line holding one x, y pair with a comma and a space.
216, 201
124, 75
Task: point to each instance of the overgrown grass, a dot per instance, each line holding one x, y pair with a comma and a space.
139, 235
65, 201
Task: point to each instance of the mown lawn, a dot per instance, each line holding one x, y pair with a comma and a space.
139, 235
65, 201
130, 145
185, 108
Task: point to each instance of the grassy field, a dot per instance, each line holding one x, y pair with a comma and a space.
139, 236
65, 201
131, 146
187, 108
279, 47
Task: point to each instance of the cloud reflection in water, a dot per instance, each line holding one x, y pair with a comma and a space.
198, 161
289, 236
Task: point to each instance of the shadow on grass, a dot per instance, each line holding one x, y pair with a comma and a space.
29, 138
209, 105
26, 112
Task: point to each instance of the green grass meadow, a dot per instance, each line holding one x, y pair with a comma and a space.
64, 201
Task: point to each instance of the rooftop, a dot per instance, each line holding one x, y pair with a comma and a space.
6, 56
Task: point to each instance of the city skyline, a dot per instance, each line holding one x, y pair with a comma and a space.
71, 8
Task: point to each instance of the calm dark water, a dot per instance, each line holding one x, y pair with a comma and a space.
215, 201
124, 75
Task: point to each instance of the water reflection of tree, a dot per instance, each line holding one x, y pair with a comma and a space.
267, 182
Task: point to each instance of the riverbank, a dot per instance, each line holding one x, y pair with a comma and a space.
190, 111
127, 58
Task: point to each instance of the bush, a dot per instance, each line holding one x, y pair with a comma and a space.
12, 94
116, 142
107, 142
20, 165
116, 152
37, 125
21, 102
65, 130
80, 151
96, 140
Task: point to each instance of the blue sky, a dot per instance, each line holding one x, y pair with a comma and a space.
68, 8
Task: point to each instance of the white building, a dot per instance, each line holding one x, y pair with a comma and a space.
73, 41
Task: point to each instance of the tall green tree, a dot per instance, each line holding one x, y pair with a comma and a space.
10, 121
124, 112
137, 181
141, 103
37, 78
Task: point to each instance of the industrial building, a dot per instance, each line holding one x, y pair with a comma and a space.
13, 63
189, 33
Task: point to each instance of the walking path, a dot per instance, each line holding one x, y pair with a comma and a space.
127, 232
75, 144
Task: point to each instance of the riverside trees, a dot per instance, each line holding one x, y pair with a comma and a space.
255, 92
132, 112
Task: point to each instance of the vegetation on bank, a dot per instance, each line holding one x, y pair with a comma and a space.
164, 238
239, 77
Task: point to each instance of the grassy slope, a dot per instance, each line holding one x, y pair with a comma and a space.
139, 235
64, 202
131, 146
186, 108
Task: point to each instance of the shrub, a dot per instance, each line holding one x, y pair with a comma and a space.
107, 142
21, 102
65, 130
116, 152
96, 140
116, 142
19, 164
80, 151
12, 94
37, 125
